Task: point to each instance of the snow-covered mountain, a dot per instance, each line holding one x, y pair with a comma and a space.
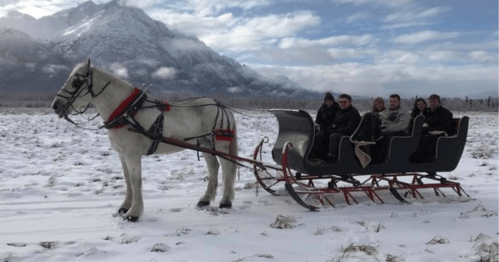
127, 42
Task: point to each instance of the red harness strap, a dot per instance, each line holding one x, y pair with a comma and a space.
123, 107
163, 106
224, 134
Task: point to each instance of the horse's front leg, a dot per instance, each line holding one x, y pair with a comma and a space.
211, 190
134, 186
128, 198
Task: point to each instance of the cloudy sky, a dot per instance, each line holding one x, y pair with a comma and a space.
361, 47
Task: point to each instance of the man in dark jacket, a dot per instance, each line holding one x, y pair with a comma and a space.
438, 118
344, 124
438, 122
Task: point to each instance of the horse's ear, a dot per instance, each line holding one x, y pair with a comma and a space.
87, 63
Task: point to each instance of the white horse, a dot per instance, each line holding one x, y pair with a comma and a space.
194, 121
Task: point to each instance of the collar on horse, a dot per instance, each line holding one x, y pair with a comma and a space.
126, 110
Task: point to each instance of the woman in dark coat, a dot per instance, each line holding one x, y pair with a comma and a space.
325, 118
327, 112
420, 108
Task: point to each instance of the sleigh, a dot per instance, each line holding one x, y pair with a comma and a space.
313, 185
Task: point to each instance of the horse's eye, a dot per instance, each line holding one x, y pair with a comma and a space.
77, 83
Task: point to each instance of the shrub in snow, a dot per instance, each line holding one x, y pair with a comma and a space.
483, 152
213, 231
93, 251
478, 211
48, 244
283, 222
438, 240
486, 248
363, 253
160, 247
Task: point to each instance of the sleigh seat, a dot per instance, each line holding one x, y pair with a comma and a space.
297, 127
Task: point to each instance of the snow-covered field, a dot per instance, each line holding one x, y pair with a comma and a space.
60, 186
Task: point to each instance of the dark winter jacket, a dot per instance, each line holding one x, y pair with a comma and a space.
415, 112
346, 121
440, 120
325, 115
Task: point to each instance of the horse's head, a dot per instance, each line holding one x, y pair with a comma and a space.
76, 92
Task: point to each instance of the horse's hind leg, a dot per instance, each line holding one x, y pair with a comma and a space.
229, 176
211, 190
229, 170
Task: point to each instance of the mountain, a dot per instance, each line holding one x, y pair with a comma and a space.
127, 42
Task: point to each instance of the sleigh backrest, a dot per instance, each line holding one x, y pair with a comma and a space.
296, 127
401, 147
450, 148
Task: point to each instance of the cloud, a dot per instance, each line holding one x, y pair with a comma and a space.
165, 73
142, 4
40, 8
195, 25
8, 2
255, 33
214, 7
432, 12
482, 56
411, 15
338, 53
424, 36
329, 41
119, 70
357, 17
442, 56
384, 79
388, 3
320, 51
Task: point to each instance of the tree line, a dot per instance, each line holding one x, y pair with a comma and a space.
44, 100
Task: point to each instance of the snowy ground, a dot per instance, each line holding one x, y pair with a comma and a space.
59, 188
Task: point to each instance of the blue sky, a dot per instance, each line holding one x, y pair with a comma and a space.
360, 47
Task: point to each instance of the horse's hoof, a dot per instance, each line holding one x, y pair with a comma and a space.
202, 204
122, 211
225, 205
131, 218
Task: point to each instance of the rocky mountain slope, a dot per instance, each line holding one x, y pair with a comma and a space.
38, 54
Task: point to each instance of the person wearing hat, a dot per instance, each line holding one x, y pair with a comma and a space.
327, 112
324, 120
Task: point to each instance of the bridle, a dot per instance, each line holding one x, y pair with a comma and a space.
77, 85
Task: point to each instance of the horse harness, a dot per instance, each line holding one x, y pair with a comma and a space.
124, 114
77, 85
126, 111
